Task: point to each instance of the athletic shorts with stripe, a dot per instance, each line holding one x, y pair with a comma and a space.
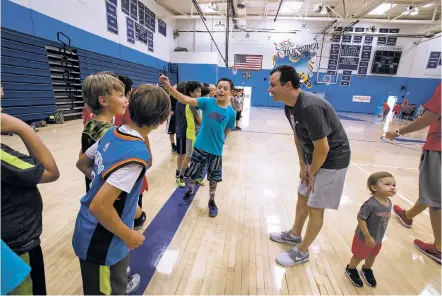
214, 166
104, 280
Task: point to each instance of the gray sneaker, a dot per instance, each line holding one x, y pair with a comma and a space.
133, 283
285, 237
292, 257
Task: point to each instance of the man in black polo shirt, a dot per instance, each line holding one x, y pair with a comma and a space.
324, 156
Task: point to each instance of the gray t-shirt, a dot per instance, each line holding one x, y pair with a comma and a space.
376, 215
239, 102
313, 118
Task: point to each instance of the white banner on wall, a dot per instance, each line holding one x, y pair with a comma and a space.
362, 99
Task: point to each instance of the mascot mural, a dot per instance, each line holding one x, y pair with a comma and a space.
302, 56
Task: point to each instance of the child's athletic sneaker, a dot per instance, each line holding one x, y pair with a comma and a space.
353, 275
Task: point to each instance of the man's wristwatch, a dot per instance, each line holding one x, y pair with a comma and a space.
398, 132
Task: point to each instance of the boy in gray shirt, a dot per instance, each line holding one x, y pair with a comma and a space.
373, 219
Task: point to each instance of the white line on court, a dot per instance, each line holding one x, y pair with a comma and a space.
386, 166
400, 195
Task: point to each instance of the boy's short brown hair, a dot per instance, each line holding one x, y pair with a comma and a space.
149, 105
98, 85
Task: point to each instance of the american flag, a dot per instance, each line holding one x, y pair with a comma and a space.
248, 62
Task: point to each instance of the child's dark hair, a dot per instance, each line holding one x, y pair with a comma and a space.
232, 85
127, 83
149, 105
205, 90
375, 177
192, 86
181, 87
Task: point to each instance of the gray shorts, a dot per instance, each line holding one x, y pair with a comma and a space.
189, 147
329, 185
429, 179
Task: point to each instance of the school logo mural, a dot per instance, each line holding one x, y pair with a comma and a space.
301, 56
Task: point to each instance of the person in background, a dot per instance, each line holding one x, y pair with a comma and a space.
181, 127
193, 90
21, 202
397, 110
413, 111
212, 90
385, 110
429, 175
237, 102
420, 111
171, 127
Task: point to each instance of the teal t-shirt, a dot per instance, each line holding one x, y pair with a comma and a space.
215, 121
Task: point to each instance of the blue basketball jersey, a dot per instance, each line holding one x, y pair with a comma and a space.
92, 242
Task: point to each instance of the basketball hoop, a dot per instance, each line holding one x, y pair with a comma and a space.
234, 70
327, 82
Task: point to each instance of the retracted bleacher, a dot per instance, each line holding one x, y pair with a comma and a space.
25, 77
34, 79
91, 63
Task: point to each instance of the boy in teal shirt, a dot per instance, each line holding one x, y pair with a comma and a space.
218, 120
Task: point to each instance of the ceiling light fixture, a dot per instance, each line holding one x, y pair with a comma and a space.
428, 5
317, 8
411, 10
321, 8
213, 6
414, 10
381, 9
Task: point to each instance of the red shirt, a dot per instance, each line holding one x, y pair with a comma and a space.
397, 109
433, 142
122, 119
385, 106
86, 114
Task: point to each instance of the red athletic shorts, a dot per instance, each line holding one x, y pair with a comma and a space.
360, 250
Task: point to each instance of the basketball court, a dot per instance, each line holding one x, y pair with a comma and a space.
187, 252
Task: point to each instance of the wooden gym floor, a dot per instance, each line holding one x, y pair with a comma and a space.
232, 253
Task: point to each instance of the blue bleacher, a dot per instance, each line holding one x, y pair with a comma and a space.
26, 76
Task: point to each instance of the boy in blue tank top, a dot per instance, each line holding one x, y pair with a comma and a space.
104, 234
218, 120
